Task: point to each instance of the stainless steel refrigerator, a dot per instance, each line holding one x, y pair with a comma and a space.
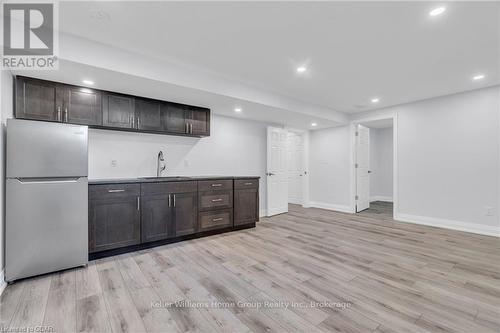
46, 198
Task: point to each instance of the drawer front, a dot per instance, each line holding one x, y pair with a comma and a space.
168, 187
114, 191
246, 183
210, 185
216, 199
215, 220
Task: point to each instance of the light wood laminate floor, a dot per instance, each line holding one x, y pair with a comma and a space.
369, 273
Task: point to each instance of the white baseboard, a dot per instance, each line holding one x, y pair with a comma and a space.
262, 213
337, 208
450, 224
3, 284
381, 198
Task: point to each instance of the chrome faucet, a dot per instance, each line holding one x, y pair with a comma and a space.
160, 164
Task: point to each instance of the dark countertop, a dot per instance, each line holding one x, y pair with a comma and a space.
162, 179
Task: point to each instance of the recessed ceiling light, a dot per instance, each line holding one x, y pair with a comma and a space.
437, 11
301, 69
375, 100
314, 124
238, 109
478, 77
90, 83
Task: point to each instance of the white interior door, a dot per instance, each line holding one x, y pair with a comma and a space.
362, 168
277, 176
295, 163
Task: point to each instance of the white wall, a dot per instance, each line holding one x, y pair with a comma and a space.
329, 165
6, 109
381, 164
235, 147
449, 160
448, 157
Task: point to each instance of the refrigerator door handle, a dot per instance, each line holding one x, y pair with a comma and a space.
47, 180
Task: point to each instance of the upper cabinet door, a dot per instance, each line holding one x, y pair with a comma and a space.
199, 122
148, 115
118, 111
82, 106
174, 118
37, 99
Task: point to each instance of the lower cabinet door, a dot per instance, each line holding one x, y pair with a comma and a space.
114, 222
157, 218
246, 206
186, 213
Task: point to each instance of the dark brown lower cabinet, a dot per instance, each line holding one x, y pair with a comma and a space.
114, 216
185, 207
157, 218
125, 214
246, 201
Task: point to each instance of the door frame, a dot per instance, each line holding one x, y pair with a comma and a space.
353, 124
305, 161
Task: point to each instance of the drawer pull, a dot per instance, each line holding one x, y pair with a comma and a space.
115, 191
217, 219
248, 183
216, 200
216, 185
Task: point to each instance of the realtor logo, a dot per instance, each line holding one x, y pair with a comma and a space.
29, 37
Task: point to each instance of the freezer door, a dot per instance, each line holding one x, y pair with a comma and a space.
46, 226
37, 149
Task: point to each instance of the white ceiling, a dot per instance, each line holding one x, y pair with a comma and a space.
354, 50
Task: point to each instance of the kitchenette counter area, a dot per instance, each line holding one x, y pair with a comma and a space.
154, 179
137, 213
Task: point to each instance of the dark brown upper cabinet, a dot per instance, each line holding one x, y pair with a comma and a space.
37, 100
81, 106
45, 100
118, 111
148, 115
51, 101
198, 121
174, 118
184, 119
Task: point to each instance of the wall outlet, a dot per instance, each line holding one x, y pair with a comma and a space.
114, 163
488, 211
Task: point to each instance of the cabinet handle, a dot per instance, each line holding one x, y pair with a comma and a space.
66, 114
190, 128
187, 128
169, 201
133, 121
174, 200
216, 200
216, 185
217, 219
59, 113
248, 183
138, 122
138, 203
115, 191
